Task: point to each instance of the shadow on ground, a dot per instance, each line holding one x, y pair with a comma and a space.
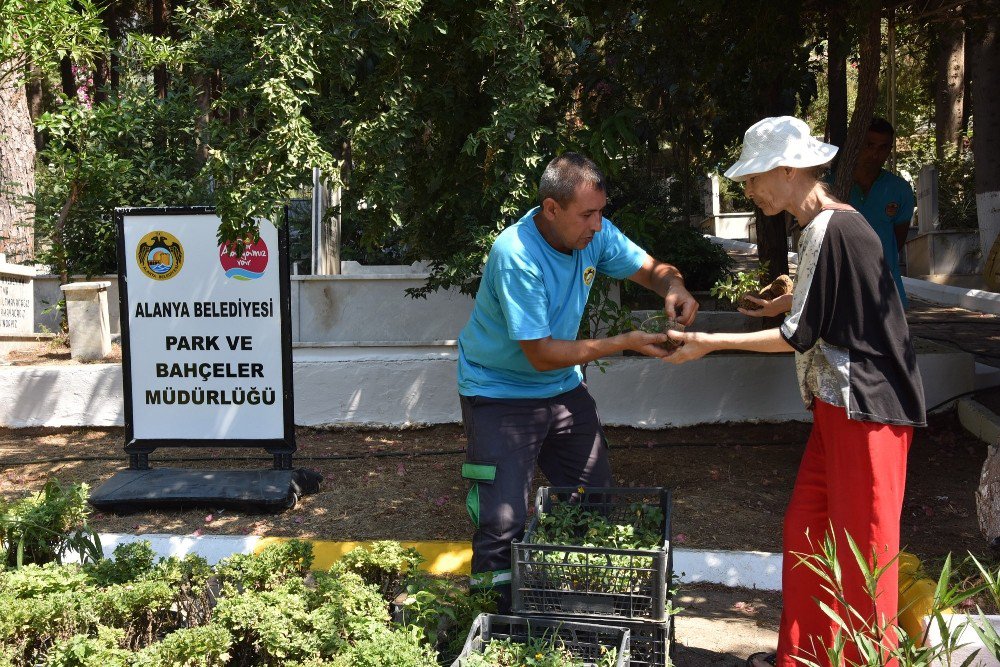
721, 626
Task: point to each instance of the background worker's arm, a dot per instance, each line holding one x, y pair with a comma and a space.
548, 354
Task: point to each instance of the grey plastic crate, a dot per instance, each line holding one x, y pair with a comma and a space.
587, 642
630, 584
650, 644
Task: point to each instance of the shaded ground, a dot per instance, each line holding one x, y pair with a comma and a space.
721, 626
978, 333
731, 482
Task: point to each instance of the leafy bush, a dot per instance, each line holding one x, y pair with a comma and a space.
440, 612
385, 565
85, 651
45, 527
397, 647
273, 566
206, 646
956, 179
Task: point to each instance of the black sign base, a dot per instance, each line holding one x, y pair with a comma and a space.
254, 491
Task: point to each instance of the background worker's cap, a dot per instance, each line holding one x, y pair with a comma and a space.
782, 141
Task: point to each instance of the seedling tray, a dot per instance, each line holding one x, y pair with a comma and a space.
650, 644
587, 642
560, 579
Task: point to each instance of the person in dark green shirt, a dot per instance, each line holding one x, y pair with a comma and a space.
884, 199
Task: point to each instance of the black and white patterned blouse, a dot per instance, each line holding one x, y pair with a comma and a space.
847, 325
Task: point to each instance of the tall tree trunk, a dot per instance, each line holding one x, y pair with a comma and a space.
864, 105
772, 242
17, 169
161, 17
33, 90
949, 85
67, 78
838, 47
986, 118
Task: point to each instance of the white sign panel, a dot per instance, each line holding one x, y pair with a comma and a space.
204, 329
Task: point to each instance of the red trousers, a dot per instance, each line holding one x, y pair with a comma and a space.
851, 479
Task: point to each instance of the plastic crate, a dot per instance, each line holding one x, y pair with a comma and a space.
587, 642
631, 584
650, 644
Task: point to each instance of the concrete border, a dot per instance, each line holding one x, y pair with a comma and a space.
745, 569
979, 420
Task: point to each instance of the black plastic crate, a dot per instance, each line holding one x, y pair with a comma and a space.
587, 642
631, 584
650, 644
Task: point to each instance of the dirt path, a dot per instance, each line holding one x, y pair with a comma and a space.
731, 482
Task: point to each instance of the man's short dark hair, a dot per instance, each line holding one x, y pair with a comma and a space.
882, 126
564, 174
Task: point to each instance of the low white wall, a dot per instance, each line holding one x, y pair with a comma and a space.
374, 308
395, 386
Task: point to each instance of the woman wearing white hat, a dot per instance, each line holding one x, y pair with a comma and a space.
857, 372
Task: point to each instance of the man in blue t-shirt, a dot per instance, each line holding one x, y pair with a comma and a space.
519, 377
886, 200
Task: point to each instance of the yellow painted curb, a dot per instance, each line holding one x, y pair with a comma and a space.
439, 557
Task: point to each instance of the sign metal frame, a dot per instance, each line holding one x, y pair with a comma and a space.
140, 449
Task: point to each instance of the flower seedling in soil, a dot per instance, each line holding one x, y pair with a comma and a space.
536, 652
661, 323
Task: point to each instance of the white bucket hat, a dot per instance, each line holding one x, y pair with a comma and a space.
782, 141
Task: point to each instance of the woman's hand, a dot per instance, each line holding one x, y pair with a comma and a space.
693, 345
769, 308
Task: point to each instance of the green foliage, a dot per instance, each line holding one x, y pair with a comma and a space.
572, 524
385, 565
38, 33
130, 561
860, 628
205, 646
734, 287
956, 179
535, 652
104, 650
130, 151
45, 527
276, 564
440, 612
396, 647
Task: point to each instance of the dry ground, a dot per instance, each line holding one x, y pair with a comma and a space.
731, 482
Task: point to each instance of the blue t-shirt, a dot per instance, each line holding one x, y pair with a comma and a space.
889, 203
530, 290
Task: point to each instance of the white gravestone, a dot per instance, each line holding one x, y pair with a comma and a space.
17, 300
89, 323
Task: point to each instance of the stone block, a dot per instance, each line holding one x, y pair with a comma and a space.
89, 325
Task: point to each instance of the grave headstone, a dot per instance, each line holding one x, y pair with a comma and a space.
17, 300
87, 314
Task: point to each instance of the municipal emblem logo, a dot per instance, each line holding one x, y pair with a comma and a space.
891, 209
588, 275
159, 255
248, 266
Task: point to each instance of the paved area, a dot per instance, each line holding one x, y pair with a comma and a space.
721, 626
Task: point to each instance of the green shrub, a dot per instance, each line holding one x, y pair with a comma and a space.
86, 651
441, 612
269, 627
32, 581
344, 604
45, 527
273, 566
206, 646
130, 562
398, 648
385, 565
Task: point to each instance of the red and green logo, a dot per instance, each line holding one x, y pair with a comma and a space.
248, 266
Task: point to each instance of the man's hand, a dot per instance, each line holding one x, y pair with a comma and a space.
769, 307
649, 344
680, 305
693, 345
